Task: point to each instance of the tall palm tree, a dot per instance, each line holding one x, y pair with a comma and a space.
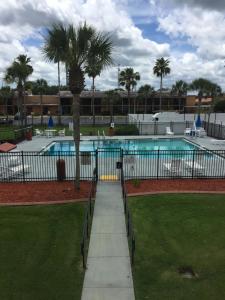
146, 91
41, 86
18, 73
54, 50
161, 69
54, 46
98, 59
128, 78
77, 47
180, 89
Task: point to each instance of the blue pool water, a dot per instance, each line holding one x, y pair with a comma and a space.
130, 145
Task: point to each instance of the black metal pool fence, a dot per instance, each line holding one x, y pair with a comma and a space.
136, 164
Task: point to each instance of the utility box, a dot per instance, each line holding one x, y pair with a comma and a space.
61, 169
119, 165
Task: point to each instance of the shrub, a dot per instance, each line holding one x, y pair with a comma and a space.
126, 130
219, 106
136, 182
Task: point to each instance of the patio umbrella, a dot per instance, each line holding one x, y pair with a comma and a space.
198, 121
50, 122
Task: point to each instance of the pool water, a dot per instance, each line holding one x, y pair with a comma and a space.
130, 145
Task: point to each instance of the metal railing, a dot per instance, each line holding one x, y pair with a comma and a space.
137, 164
40, 166
129, 225
171, 164
87, 221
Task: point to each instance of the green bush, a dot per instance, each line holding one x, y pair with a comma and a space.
136, 182
126, 130
219, 106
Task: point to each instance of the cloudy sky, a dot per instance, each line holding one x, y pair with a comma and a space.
190, 33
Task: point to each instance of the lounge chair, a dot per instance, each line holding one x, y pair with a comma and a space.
168, 131
187, 131
196, 166
200, 132
62, 132
11, 172
38, 132
13, 160
173, 167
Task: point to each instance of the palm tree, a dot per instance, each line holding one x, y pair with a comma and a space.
180, 89
41, 86
98, 58
18, 73
128, 78
77, 46
161, 69
54, 48
146, 91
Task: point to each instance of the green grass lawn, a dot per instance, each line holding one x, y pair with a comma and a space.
174, 231
40, 252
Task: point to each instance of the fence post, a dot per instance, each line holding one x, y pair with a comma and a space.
121, 159
157, 164
96, 163
193, 161
23, 165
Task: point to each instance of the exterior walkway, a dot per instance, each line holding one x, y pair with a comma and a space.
108, 275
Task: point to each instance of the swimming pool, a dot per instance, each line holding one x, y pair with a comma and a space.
127, 145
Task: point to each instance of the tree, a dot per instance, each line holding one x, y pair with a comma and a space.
18, 73
5, 95
207, 87
180, 89
128, 78
112, 96
146, 91
77, 45
161, 69
54, 47
98, 58
41, 86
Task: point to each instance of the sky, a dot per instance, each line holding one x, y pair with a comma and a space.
190, 33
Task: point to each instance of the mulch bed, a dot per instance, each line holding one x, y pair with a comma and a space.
43, 192
175, 185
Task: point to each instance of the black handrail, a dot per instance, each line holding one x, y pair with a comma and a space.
87, 221
129, 224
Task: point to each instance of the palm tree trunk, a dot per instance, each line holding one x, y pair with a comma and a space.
41, 109
20, 102
93, 100
58, 76
76, 136
59, 83
128, 98
145, 104
160, 97
111, 111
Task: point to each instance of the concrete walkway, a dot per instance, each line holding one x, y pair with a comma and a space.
108, 275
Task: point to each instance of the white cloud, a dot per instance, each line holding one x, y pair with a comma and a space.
202, 29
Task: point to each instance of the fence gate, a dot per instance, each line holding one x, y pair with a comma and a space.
109, 163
